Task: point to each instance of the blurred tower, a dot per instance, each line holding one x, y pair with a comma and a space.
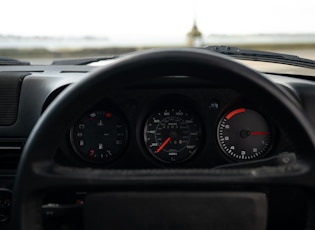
194, 37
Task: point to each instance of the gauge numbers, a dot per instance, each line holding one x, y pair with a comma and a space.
243, 134
172, 135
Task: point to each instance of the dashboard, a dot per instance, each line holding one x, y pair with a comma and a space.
144, 128
151, 127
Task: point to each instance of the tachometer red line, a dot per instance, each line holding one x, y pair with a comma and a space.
259, 133
234, 112
163, 145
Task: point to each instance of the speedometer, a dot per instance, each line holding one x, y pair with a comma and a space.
172, 135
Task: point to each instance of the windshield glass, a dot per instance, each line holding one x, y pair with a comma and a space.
43, 31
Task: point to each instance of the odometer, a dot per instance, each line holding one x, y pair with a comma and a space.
172, 135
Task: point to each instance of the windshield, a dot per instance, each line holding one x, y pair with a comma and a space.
43, 31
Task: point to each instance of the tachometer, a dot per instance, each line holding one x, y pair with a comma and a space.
172, 135
244, 134
99, 136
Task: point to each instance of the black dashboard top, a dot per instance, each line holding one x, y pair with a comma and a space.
42, 84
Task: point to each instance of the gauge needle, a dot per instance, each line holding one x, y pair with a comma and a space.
259, 133
163, 145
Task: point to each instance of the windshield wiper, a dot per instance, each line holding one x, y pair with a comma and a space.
263, 56
10, 61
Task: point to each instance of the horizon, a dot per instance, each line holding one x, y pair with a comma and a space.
145, 35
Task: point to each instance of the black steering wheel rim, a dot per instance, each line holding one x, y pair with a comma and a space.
37, 172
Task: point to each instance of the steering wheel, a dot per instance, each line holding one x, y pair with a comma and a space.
38, 173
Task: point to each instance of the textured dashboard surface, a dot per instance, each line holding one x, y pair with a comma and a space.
45, 83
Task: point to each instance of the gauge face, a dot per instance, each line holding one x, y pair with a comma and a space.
172, 135
99, 136
244, 134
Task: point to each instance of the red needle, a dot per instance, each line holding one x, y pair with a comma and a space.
163, 145
258, 133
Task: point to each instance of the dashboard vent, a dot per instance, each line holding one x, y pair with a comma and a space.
10, 153
10, 85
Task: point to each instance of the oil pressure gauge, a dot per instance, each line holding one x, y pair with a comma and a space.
244, 134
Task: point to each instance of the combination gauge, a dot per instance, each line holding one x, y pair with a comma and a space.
99, 136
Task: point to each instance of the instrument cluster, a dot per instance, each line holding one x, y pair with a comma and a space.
174, 133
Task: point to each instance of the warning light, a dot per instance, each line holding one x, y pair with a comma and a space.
108, 114
91, 152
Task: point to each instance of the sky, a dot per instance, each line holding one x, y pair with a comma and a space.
144, 18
